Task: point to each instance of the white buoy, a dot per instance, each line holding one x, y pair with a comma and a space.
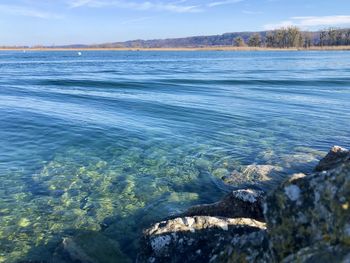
79, 54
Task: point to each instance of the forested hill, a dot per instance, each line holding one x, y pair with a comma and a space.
226, 39
280, 38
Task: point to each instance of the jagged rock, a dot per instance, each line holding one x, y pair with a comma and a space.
240, 203
307, 216
307, 210
336, 156
252, 174
192, 239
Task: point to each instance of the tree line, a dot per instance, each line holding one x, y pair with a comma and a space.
293, 37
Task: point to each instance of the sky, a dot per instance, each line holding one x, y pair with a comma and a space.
58, 22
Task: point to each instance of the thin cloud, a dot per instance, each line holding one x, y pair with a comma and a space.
311, 22
152, 6
79, 3
26, 11
225, 2
248, 12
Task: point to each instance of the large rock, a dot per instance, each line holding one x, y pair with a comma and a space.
336, 156
193, 239
240, 203
320, 253
252, 247
307, 216
308, 210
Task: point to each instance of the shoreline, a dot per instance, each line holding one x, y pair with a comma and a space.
214, 48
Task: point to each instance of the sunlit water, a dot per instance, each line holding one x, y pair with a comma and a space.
107, 142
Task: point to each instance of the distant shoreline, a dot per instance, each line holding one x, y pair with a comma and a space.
213, 48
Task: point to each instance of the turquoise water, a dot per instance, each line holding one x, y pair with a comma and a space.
102, 144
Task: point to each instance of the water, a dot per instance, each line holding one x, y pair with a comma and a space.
98, 146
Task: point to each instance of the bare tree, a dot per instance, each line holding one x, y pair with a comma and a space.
239, 42
254, 40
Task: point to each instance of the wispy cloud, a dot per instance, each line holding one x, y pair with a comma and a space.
224, 2
248, 12
180, 6
27, 11
311, 22
177, 7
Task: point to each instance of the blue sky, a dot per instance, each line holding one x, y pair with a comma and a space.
32, 22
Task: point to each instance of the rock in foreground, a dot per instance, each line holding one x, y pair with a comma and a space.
193, 239
307, 217
308, 210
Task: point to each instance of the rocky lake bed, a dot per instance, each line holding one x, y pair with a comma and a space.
98, 150
305, 219
302, 218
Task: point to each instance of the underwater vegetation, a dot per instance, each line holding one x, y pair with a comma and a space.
112, 195
94, 148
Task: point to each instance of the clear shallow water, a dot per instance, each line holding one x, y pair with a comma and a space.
107, 142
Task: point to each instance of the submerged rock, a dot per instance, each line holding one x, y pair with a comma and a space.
192, 239
91, 247
239, 203
253, 174
307, 218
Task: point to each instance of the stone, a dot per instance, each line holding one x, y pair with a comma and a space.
252, 247
192, 239
307, 220
91, 247
299, 161
320, 253
253, 174
336, 156
239, 203
309, 209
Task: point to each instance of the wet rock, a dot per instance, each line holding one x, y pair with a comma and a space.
336, 156
240, 203
307, 210
253, 174
299, 161
192, 239
221, 172
91, 247
307, 218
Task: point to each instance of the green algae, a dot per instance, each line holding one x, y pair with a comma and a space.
79, 190
115, 191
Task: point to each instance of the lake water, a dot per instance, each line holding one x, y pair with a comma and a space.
102, 144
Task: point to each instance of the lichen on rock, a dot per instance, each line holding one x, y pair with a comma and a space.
307, 219
192, 239
306, 210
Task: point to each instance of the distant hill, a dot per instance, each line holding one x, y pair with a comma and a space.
280, 38
226, 39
